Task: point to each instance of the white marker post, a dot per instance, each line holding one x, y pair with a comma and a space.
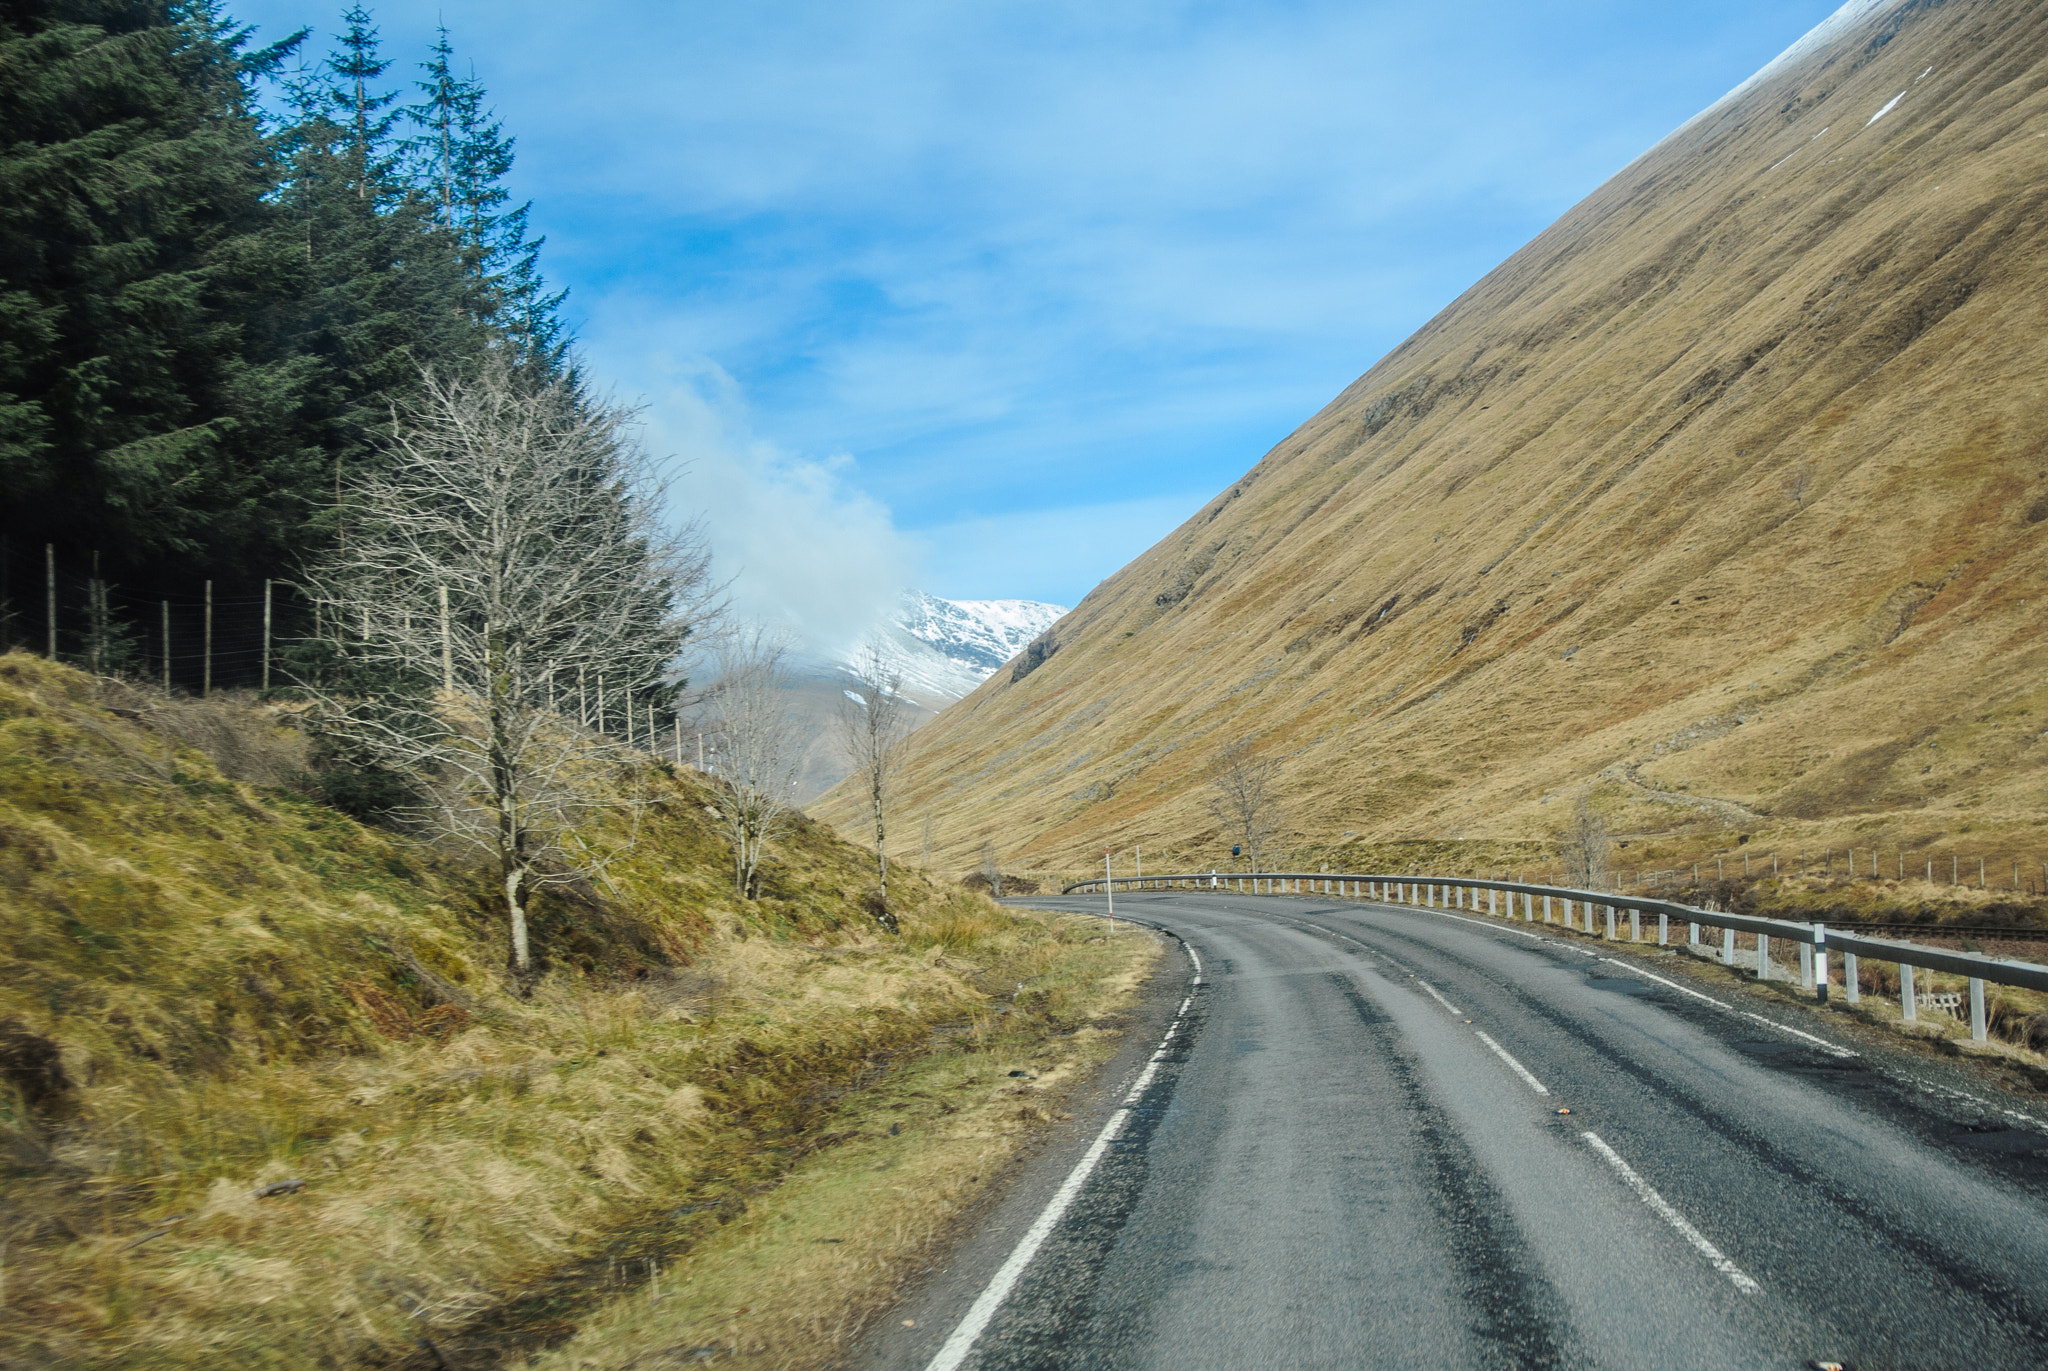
1109, 890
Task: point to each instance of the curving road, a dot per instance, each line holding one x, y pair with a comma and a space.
1352, 1151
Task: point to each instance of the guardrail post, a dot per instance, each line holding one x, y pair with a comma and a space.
1977, 1026
1635, 925
1692, 935
1851, 987
1820, 962
1806, 976
1663, 929
1727, 947
1763, 956
1610, 922
1491, 903
1528, 906
1909, 1001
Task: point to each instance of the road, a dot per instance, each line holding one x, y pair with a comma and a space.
1354, 1150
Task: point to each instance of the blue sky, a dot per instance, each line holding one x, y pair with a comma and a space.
986, 296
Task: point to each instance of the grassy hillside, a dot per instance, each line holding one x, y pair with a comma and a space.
269, 1101
1724, 500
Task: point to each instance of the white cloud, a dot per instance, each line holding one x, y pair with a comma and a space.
808, 553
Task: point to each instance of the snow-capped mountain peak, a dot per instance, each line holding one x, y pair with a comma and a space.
946, 648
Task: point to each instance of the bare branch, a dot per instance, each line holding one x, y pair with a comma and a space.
506, 610
1586, 846
758, 748
1243, 802
872, 725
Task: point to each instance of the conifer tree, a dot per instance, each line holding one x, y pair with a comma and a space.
461, 155
207, 313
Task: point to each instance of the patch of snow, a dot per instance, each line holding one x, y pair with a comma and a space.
1889, 106
945, 648
1826, 31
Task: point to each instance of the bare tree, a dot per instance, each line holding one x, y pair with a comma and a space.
992, 870
1243, 802
1586, 846
759, 750
871, 729
507, 549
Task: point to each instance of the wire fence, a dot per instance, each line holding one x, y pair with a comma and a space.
200, 638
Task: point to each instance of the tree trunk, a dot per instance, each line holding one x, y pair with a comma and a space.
515, 879
881, 858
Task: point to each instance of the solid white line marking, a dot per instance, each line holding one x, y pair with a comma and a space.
1517, 1067
1497, 925
991, 1299
1985, 1104
1822, 1043
1664, 1211
1438, 998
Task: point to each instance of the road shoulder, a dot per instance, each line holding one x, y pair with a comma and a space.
959, 1264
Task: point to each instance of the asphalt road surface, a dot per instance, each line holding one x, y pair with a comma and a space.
1352, 1149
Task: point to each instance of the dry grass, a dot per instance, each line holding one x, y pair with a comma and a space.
1545, 546
210, 987
798, 1277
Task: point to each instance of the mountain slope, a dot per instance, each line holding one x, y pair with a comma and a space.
1722, 500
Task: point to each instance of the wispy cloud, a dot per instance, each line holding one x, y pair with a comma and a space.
809, 554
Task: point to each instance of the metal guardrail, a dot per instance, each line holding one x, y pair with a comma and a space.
1814, 940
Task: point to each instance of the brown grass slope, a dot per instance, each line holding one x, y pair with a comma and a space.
210, 985
1723, 497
